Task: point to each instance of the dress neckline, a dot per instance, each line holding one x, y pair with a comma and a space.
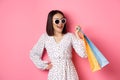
60, 40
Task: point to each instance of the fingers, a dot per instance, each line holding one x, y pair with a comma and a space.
78, 32
77, 28
49, 66
81, 35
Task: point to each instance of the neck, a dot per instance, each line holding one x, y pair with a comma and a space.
57, 34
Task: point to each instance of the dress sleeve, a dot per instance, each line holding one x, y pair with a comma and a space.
79, 47
36, 53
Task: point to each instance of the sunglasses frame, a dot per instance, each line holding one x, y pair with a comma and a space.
60, 21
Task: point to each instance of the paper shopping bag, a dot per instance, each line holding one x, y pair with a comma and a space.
94, 65
99, 56
95, 57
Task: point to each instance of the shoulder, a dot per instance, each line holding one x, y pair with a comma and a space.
45, 35
42, 36
70, 34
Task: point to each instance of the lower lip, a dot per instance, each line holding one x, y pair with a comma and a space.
60, 27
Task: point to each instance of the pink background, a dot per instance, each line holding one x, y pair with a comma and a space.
23, 21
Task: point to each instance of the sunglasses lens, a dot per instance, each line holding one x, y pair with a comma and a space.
63, 21
57, 21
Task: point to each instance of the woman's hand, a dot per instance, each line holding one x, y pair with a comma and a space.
49, 66
78, 33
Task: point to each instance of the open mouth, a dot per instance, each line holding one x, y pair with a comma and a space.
60, 27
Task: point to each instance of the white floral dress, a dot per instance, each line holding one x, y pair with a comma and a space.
60, 55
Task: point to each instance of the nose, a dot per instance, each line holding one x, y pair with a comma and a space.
60, 24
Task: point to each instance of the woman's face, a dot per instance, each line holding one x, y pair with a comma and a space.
58, 22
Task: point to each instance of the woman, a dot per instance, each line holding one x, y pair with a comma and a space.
58, 43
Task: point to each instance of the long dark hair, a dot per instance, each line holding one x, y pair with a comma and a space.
49, 26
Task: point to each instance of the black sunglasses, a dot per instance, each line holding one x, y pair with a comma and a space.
57, 21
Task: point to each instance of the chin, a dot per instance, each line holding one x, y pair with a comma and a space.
59, 31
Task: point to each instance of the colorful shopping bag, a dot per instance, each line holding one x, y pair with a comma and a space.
99, 56
94, 65
95, 57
